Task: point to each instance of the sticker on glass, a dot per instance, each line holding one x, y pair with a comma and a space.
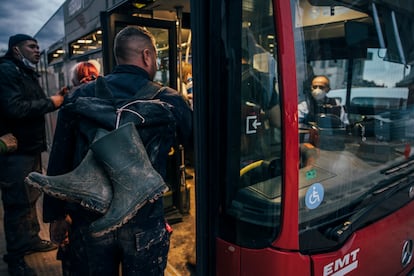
314, 196
310, 174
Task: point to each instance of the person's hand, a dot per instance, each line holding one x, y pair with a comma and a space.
58, 230
57, 100
59, 97
10, 141
308, 154
63, 91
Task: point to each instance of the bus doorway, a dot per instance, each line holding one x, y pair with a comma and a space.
170, 27
165, 33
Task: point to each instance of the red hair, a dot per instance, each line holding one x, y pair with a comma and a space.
86, 72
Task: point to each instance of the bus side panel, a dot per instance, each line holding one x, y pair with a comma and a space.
374, 250
233, 260
227, 258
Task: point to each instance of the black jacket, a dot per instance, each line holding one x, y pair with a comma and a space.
327, 106
23, 105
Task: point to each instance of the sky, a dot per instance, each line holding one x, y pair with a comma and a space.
22, 16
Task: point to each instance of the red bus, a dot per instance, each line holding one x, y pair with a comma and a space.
278, 193
261, 210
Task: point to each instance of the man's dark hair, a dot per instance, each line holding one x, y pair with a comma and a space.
121, 46
19, 38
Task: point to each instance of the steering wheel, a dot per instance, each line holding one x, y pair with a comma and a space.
328, 121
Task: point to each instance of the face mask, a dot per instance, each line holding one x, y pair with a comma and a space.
28, 63
318, 94
25, 61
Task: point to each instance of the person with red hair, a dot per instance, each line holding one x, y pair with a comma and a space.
84, 72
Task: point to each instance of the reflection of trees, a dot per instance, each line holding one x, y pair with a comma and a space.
407, 80
365, 83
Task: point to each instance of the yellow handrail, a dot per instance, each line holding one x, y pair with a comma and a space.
251, 166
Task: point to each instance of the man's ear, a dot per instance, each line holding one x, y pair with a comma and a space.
147, 57
17, 52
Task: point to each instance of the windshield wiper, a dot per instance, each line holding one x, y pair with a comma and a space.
397, 167
380, 195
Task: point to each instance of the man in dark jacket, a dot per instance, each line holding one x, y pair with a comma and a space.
142, 243
23, 105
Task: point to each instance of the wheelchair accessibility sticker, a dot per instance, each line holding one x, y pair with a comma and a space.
314, 196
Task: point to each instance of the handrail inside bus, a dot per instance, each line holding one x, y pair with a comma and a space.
378, 26
251, 166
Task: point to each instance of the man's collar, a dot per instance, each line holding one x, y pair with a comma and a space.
132, 69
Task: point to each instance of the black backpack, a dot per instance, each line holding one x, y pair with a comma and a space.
152, 117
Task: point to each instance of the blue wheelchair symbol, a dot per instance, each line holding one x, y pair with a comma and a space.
314, 196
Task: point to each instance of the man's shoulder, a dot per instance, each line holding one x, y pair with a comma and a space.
155, 90
166, 90
303, 103
170, 95
7, 64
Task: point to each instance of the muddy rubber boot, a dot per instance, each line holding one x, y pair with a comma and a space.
88, 185
134, 180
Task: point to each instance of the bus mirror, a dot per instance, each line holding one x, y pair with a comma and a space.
355, 33
360, 34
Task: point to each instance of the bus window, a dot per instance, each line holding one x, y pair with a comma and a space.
360, 165
162, 37
259, 156
86, 44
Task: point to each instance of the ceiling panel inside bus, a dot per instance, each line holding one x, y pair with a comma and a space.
318, 15
375, 24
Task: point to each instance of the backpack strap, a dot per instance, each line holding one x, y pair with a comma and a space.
150, 90
101, 89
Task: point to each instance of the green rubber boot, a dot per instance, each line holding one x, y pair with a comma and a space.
87, 185
134, 180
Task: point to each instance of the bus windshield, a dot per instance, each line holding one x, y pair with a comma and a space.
355, 101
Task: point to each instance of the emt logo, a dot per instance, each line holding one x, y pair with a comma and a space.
342, 266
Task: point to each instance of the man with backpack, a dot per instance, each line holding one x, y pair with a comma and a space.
97, 150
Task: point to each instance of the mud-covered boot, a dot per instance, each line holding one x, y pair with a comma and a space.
88, 185
134, 180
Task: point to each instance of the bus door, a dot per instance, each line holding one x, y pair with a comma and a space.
246, 139
296, 177
165, 33
176, 201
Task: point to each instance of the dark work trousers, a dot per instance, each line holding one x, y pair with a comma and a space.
21, 224
140, 248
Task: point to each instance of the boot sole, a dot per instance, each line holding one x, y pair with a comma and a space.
89, 203
130, 214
